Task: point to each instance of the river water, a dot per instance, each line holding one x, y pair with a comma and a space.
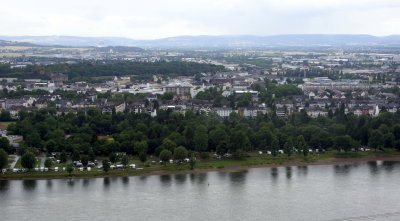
361, 191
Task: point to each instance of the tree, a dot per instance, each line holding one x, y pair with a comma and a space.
125, 160
113, 157
217, 136
50, 146
302, 145
3, 159
165, 156
91, 155
167, 144
5, 116
192, 161
376, 140
180, 153
289, 147
48, 163
84, 160
244, 100
274, 146
63, 157
75, 155
200, 138
33, 140
222, 148
263, 138
142, 157
70, 168
396, 131
5, 144
141, 147
343, 143
388, 140
106, 165
239, 141
28, 160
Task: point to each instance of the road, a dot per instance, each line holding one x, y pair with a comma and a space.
42, 158
16, 158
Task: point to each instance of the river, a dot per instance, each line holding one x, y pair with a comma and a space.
361, 191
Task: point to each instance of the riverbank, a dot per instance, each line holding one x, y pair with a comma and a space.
226, 165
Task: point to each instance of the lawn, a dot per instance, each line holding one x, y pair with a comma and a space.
251, 158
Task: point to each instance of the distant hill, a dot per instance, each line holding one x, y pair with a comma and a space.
97, 49
72, 40
16, 43
276, 40
230, 41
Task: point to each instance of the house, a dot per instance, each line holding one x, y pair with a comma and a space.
117, 106
252, 111
178, 89
315, 112
284, 103
280, 112
14, 110
223, 112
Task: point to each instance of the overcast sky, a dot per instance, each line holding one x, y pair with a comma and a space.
150, 19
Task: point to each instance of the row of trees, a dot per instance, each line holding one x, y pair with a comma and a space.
140, 134
111, 68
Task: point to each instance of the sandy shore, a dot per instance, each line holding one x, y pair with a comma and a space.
335, 161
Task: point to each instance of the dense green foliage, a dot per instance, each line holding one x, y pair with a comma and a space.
95, 69
28, 160
70, 168
180, 153
165, 156
106, 165
125, 160
48, 163
209, 94
3, 159
140, 134
5, 144
20, 93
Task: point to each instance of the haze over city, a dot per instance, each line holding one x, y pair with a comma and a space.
157, 19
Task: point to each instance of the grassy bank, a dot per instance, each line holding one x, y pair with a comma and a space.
252, 159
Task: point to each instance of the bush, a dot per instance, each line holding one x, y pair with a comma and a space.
3, 159
48, 163
165, 156
204, 155
106, 165
142, 157
85, 160
113, 157
28, 160
125, 160
63, 157
180, 153
70, 168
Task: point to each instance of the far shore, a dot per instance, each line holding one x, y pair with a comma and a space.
233, 168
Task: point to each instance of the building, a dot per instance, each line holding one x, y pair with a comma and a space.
178, 89
223, 112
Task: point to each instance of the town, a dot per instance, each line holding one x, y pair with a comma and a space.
318, 82
282, 86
